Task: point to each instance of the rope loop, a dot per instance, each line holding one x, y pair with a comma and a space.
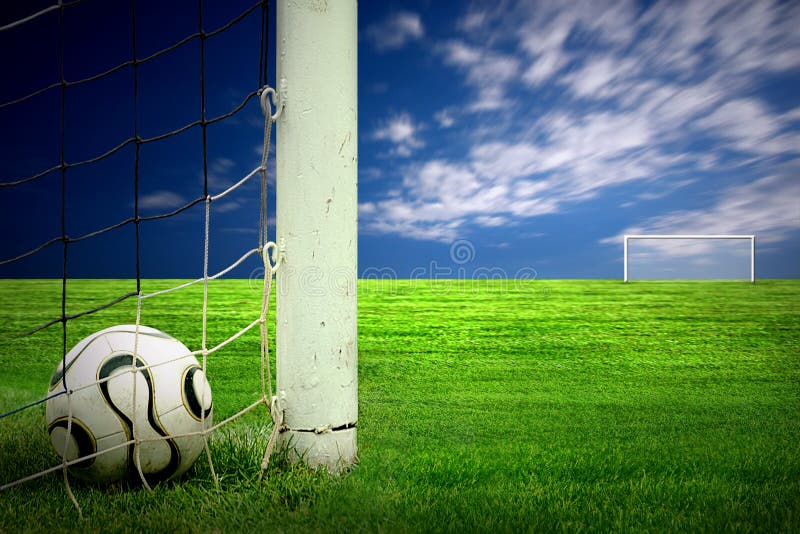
276, 412
273, 259
268, 101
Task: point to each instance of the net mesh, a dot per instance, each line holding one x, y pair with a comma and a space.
267, 252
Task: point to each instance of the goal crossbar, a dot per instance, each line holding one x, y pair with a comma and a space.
751, 237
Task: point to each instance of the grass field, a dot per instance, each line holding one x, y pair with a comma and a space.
502, 406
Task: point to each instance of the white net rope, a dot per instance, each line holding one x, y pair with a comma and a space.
270, 255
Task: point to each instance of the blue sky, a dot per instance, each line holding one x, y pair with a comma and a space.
531, 135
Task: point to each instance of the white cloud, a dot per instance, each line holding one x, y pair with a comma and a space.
500, 180
664, 191
487, 72
445, 118
499, 159
366, 208
751, 127
402, 131
403, 151
544, 66
598, 76
161, 200
543, 41
442, 180
767, 207
757, 35
379, 88
395, 31
443, 193
369, 174
544, 30
793, 115
492, 220
220, 173
226, 207
459, 53
596, 94
398, 129
398, 220
473, 20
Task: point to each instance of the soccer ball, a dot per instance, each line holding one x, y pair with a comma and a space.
172, 398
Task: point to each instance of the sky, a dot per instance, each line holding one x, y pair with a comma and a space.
515, 137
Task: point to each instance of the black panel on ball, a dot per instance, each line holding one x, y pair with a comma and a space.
192, 402
83, 437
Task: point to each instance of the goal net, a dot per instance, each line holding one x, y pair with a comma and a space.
689, 257
118, 121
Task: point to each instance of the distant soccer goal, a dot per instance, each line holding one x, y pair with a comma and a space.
690, 256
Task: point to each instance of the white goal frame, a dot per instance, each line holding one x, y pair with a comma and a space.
317, 231
752, 239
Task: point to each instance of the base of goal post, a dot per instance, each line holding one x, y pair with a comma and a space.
334, 450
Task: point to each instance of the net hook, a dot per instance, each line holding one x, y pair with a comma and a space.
276, 256
267, 103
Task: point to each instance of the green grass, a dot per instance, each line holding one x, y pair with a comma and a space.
502, 406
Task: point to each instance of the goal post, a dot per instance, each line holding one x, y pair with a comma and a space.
629, 237
317, 210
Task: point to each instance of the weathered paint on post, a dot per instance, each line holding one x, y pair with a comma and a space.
317, 210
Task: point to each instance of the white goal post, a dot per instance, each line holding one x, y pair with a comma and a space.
317, 212
752, 239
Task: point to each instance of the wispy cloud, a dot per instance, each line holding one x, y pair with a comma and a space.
487, 72
221, 174
161, 200
440, 197
747, 125
396, 31
227, 206
663, 190
767, 208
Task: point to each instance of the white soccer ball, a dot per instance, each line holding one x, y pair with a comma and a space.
172, 398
